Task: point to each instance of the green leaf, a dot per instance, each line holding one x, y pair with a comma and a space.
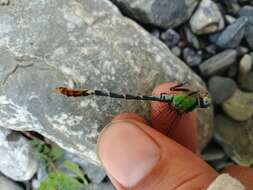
60, 181
56, 152
73, 167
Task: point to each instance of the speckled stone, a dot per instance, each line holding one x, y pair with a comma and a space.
239, 106
235, 138
207, 18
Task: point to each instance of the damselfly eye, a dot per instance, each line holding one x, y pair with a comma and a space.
206, 101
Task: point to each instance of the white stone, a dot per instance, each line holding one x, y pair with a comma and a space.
245, 65
16, 160
207, 18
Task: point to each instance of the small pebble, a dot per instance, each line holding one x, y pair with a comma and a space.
211, 49
245, 66
170, 37
232, 6
207, 18
221, 88
230, 19
233, 34
212, 154
239, 106
176, 51
218, 62
241, 50
221, 164
247, 11
191, 57
191, 38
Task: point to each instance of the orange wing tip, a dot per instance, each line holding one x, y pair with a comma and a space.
58, 90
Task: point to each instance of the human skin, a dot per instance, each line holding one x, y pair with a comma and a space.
137, 156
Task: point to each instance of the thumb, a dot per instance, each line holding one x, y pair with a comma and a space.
137, 157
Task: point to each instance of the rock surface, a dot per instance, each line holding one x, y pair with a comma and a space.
102, 186
7, 184
221, 88
236, 139
162, 13
207, 18
45, 44
239, 106
218, 63
16, 161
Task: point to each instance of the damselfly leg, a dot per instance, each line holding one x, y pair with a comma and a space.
179, 86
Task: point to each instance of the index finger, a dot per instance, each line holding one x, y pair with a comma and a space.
184, 129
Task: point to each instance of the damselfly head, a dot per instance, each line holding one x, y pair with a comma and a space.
204, 99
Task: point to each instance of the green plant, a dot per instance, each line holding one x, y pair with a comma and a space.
52, 156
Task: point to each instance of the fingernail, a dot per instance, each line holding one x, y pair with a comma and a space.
127, 153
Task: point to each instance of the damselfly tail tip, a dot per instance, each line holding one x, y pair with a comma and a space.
72, 92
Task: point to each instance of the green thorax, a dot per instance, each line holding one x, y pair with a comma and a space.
181, 102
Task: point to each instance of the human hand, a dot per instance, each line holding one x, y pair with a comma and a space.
136, 156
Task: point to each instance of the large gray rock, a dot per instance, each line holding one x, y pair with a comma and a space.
7, 184
46, 44
162, 13
16, 160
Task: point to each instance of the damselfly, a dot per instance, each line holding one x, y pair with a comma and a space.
182, 101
